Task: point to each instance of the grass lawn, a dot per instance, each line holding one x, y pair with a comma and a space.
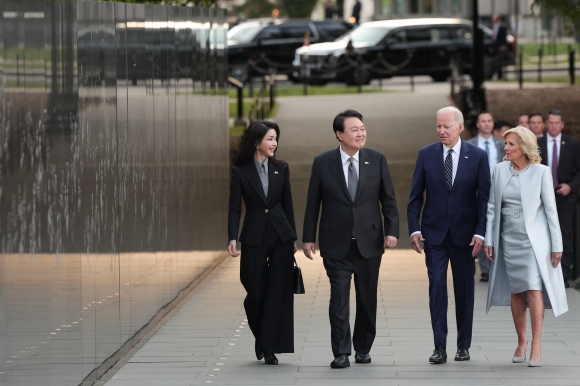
312, 90
545, 79
531, 52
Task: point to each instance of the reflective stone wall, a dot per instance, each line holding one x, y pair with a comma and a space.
113, 175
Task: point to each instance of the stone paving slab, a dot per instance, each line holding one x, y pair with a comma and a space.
208, 340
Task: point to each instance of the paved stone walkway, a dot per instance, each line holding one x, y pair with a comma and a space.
208, 340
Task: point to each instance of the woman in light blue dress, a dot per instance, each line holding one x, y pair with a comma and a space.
523, 241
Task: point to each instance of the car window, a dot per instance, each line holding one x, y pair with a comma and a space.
418, 35
459, 33
332, 30
295, 31
364, 36
244, 33
400, 36
272, 32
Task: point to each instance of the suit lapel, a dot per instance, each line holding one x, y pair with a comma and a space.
439, 163
464, 159
338, 171
363, 170
251, 173
544, 149
563, 152
275, 179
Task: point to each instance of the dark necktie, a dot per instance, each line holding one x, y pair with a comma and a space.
487, 148
555, 165
449, 169
352, 179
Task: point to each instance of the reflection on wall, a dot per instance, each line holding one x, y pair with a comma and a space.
113, 175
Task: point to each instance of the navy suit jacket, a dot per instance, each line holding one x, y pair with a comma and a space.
461, 211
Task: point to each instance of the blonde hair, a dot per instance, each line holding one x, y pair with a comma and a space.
528, 143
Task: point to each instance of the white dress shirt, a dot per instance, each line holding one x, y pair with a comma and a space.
455, 158
346, 163
492, 151
550, 145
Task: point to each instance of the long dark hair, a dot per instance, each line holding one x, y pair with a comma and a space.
254, 134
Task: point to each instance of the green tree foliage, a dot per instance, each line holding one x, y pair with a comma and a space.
568, 9
297, 8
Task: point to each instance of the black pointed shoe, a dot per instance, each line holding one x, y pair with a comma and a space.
362, 358
439, 356
258, 349
340, 362
462, 355
270, 358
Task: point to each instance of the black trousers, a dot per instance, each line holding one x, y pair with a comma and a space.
566, 208
266, 273
366, 278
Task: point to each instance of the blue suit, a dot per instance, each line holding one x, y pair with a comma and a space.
450, 220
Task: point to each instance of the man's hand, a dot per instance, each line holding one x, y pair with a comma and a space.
309, 250
563, 189
295, 247
232, 249
556, 257
390, 242
477, 244
415, 241
489, 253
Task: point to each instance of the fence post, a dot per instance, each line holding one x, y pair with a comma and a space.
17, 70
540, 54
359, 71
571, 58
521, 69
240, 103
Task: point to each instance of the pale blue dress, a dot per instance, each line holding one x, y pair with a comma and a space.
520, 261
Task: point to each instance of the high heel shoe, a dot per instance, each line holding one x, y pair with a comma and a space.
537, 363
521, 359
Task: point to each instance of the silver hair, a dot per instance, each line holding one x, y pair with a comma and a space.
454, 110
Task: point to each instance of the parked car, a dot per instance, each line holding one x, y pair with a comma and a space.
406, 47
277, 40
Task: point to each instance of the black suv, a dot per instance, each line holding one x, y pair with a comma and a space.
395, 47
273, 43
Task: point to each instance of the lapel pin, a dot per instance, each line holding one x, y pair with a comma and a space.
563, 143
275, 172
366, 163
466, 157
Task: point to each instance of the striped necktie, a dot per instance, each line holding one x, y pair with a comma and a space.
449, 169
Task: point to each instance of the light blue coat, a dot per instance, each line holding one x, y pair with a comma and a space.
541, 219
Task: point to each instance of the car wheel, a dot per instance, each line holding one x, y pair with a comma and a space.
240, 70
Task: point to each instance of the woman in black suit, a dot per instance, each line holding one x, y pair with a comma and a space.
268, 239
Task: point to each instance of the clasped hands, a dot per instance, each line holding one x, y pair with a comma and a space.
476, 243
310, 250
555, 257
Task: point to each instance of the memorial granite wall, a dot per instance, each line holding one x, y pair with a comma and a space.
113, 175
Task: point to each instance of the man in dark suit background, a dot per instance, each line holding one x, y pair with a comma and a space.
498, 45
455, 177
350, 182
561, 153
494, 148
356, 12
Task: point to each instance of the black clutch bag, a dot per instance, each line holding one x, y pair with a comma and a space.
298, 282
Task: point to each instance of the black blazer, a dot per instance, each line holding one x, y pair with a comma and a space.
569, 161
276, 208
340, 213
